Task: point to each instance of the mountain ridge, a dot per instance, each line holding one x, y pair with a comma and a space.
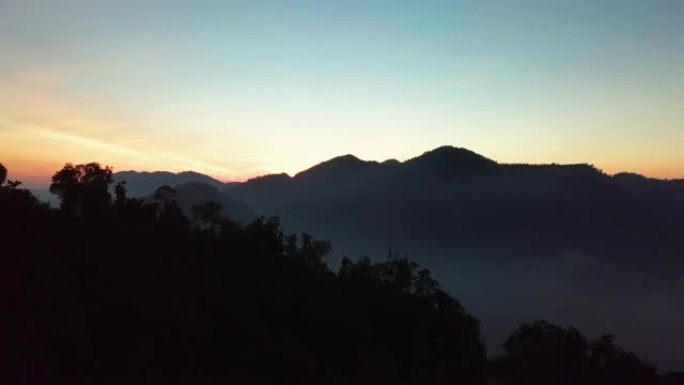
525, 227
534, 232
143, 183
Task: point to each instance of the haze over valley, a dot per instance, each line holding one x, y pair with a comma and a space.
514, 242
358, 192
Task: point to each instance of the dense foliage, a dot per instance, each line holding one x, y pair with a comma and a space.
107, 291
121, 291
550, 354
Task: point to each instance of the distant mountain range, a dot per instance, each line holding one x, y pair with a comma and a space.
143, 183
191, 188
192, 193
455, 199
512, 241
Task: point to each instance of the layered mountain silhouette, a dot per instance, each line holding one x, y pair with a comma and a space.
456, 199
191, 188
143, 183
503, 233
513, 241
190, 194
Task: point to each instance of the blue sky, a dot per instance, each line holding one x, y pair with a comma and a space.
237, 89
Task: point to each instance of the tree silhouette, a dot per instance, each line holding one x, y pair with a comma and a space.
83, 189
141, 297
546, 353
165, 195
314, 251
431, 335
13, 201
13, 184
3, 178
167, 211
207, 215
612, 363
120, 193
3, 174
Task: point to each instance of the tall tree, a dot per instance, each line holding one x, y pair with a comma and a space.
546, 353
83, 188
120, 191
165, 195
167, 210
3, 174
207, 215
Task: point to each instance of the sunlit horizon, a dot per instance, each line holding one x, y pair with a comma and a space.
38, 176
237, 89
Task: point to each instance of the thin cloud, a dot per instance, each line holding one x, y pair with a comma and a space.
37, 112
91, 143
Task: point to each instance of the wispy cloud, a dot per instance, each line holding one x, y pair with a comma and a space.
42, 121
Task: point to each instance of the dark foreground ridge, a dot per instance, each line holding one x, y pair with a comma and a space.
110, 290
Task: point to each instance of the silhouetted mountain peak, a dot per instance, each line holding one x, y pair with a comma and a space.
630, 177
191, 174
142, 183
391, 162
197, 187
452, 158
269, 178
349, 159
338, 166
453, 153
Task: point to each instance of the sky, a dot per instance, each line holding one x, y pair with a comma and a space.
236, 89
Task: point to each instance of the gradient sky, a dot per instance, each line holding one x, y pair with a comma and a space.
236, 89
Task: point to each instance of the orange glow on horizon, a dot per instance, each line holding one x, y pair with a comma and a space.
35, 173
43, 126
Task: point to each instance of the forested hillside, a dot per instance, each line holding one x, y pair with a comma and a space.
110, 290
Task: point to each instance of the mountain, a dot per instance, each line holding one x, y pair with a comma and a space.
190, 194
191, 188
45, 196
452, 197
451, 160
514, 242
341, 167
509, 239
143, 183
